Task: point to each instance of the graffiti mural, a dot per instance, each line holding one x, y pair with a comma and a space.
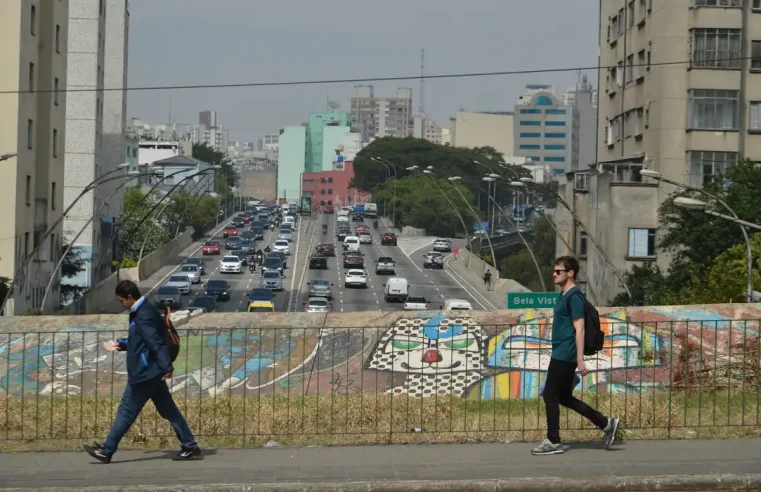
475, 355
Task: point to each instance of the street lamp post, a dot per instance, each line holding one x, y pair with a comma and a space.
386, 163
5, 157
529, 181
658, 177
488, 239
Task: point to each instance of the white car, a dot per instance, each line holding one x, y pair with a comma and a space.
365, 238
282, 245
318, 305
192, 271
442, 245
230, 264
181, 281
355, 278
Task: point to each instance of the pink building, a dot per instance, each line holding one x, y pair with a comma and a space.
331, 188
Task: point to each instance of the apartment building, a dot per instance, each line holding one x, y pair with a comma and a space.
426, 128
680, 94
33, 51
377, 117
472, 129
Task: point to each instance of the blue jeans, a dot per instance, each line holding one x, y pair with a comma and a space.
134, 399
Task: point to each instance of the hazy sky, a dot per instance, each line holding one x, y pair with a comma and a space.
229, 41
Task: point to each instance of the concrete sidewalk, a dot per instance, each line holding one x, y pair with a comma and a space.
636, 465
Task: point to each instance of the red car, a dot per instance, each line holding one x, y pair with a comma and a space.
327, 209
388, 238
359, 229
230, 230
245, 218
326, 249
211, 248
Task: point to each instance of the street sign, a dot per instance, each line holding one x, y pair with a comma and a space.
480, 226
535, 300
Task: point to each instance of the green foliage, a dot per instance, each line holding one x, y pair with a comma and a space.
72, 265
153, 233
127, 263
224, 178
521, 268
187, 210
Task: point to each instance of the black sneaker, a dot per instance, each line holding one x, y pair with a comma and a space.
189, 454
610, 432
98, 453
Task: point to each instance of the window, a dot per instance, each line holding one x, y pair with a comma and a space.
648, 60
55, 91
52, 195
322, 191
718, 3
31, 77
705, 166
716, 48
630, 14
554, 147
57, 38
581, 181
33, 21
29, 133
620, 22
554, 159
55, 142
642, 9
620, 74
554, 123
330, 191
641, 243
755, 116
554, 111
530, 147
641, 64
614, 130
26, 244
531, 111
530, 135
755, 55
531, 123
639, 129
628, 123
28, 190
330, 180
710, 109
169, 180
756, 4
554, 135
614, 23
330, 202
51, 252
583, 244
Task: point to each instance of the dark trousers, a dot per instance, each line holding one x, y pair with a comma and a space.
558, 390
134, 399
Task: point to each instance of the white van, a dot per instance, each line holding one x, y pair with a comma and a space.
396, 289
457, 305
351, 243
289, 220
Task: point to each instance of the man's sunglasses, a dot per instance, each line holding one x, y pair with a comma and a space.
558, 272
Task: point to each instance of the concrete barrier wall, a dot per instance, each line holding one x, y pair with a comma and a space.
168, 254
93, 300
409, 231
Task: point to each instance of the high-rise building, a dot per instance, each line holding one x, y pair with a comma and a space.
33, 53
424, 127
207, 119
681, 96
377, 117
583, 98
473, 129
216, 137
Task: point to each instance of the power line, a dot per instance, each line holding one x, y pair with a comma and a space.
366, 79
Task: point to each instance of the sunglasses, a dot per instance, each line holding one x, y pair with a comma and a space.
558, 272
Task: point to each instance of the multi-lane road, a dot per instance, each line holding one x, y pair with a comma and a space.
435, 285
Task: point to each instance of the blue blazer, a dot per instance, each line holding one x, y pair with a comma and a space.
147, 353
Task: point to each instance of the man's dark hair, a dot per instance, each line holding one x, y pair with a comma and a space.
128, 288
570, 264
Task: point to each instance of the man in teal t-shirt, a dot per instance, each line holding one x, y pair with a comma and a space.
567, 356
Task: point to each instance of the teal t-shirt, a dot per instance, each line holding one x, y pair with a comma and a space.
563, 333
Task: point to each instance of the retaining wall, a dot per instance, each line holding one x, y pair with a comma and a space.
168, 254
102, 294
409, 231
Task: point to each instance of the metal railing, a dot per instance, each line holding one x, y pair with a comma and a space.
421, 379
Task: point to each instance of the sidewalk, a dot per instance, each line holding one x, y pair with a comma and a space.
636, 465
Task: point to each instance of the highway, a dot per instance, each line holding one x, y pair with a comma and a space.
435, 285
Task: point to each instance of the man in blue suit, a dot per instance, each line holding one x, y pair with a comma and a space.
148, 365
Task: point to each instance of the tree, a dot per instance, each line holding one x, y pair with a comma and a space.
226, 177
521, 268
133, 234
187, 210
647, 285
73, 264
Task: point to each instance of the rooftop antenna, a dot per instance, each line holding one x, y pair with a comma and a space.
421, 108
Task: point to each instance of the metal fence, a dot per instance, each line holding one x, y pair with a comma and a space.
428, 378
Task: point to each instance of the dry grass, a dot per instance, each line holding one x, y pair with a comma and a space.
60, 423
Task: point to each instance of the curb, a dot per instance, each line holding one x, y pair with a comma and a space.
671, 483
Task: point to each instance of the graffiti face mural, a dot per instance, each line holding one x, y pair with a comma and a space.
438, 355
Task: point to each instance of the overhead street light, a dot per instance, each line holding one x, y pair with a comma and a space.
7, 156
488, 239
386, 163
694, 204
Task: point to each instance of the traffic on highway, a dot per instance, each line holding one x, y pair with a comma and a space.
271, 259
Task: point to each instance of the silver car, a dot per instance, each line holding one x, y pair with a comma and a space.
192, 271
320, 287
181, 281
317, 305
271, 280
442, 245
284, 234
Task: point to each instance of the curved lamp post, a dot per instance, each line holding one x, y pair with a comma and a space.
530, 181
658, 177
5, 157
130, 176
188, 208
488, 239
386, 163
89, 187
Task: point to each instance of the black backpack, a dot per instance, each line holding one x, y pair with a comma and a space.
171, 337
594, 337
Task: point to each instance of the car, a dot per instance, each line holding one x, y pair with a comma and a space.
351, 243
282, 245
357, 218
327, 209
212, 247
389, 239
342, 219
283, 257
233, 243
260, 294
355, 278
317, 305
365, 238
168, 296
272, 263
199, 262
442, 245
238, 222
247, 235
320, 287
220, 289
285, 234
181, 281
361, 228
193, 273
396, 289
354, 259
230, 264
208, 304
261, 307
341, 235
457, 305
245, 218
230, 230
257, 232
271, 279
248, 246
318, 261
385, 265
433, 260
416, 304
326, 249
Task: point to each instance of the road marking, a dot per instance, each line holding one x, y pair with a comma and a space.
472, 291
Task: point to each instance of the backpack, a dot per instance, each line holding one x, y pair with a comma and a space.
594, 337
171, 337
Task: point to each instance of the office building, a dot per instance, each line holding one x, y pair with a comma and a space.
689, 121
377, 117
546, 131
424, 127
473, 129
268, 142
33, 53
583, 99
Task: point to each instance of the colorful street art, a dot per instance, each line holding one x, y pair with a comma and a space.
478, 355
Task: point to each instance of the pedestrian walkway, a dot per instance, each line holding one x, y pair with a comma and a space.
638, 465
